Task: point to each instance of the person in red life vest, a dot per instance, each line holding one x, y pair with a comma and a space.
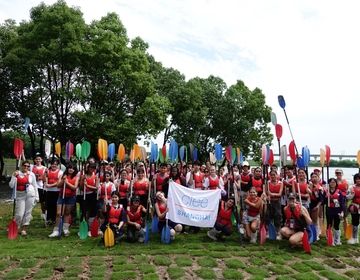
343, 186
52, 179
334, 209
161, 209
301, 188
90, 182
129, 170
141, 186
318, 172
213, 181
135, 223
245, 177
256, 181
24, 182
354, 209
39, 170
115, 217
70, 181
274, 192
223, 225
316, 200
123, 188
160, 178
251, 216
297, 220
105, 190
176, 177
222, 175
195, 178
288, 183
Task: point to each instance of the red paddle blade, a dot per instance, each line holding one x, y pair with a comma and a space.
228, 153
278, 131
18, 147
12, 230
94, 228
163, 152
292, 151
271, 157
262, 234
327, 154
329, 237
305, 242
264, 154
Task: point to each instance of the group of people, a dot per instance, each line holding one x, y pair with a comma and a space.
125, 196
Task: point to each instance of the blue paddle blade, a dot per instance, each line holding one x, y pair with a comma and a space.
195, 154
26, 124
61, 223
167, 235
182, 153
163, 234
175, 151
281, 101
307, 156
267, 153
313, 233
218, 152
272, 232
111, 151
300, 162
241, 158
154, 225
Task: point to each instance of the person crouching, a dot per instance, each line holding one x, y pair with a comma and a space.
135, 223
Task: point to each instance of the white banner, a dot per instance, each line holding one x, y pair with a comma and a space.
192, 207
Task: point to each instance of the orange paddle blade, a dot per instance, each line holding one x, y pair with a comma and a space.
121, 153
329, 237
348, 231
137, 151
322, 157
132, 155
358, 157
327, 154
58, 149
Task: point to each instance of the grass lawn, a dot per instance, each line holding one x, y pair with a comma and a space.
190, 256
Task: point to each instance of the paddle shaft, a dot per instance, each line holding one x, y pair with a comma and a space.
279, 154
292, 137
62, 209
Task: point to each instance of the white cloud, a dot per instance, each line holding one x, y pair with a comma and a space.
306, 50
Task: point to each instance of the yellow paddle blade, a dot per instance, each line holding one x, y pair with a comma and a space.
238, 155
58, 148
348, 231
109, 239
143, 153
358, 157
323, 229
121, 153
104, 149
132, 155
322, 157
137, 151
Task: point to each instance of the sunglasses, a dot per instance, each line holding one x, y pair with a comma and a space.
26, 165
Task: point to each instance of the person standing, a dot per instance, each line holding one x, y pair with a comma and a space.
275, 190
39, 170
354, 209
52, 179
26, 195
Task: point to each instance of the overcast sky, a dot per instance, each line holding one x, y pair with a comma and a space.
308, 51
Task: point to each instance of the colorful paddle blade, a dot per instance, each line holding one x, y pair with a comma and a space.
228, 153
111, 151
83, 230
103, 149
292, 152
85, 150
109, 239
273, 118
262, 234
47, 148
191, 147
161, 157
348, 231
281, 101
327, 155
137, 151
305, 242
154, 224
358, 157
329, 237
195, 154
163, 153
218, 152
283, 155
238, 155
278, 131
271, 157
300, 162
94, 228
121, 153
314, 233
322, 157
12, 230
26, 124
18, 147
58, 148
182, 153
69, 150
78, 150
272, 231
306, 155
233, 155
264, 155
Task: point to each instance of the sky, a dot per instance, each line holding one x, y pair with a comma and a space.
308, 51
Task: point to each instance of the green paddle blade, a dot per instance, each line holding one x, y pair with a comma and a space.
161, 157
83, 230
85, 150
233, 219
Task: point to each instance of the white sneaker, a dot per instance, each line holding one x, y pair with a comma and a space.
89, 233
279, 237
43, 216
55, 233
66, 232
211, 234
100, 233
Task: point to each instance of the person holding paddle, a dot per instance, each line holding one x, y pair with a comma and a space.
301, 187
67, 198
141, 186
24, 181
39, 170
251, 216
354, 209
316, 200
297, 219
135, 223
122, 185
160, 178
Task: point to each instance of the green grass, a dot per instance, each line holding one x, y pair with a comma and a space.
191, 254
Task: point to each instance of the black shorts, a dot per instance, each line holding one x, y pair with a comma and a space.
41, 195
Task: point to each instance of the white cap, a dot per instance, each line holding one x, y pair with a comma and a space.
245, 163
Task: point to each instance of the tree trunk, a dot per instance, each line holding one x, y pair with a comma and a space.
1, 156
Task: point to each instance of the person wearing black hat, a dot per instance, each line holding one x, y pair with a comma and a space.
135, 223
297, 219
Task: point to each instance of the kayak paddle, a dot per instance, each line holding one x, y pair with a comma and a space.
109, 239
61, 222
305, 242
58, 149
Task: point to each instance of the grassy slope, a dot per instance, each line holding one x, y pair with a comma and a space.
190, 256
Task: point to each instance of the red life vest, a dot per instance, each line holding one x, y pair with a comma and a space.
213, 182
39, 172
178, 181
90, 181
343, 186
224, 216
123, 188
135, 215
296, 214
162, 208
53, 176
114, 214
108, 190
198, 180
257, 184
303, 188
334, 196
22, 182
245, 177
356, 198
274, 189
253, 211
159, 181
315, 193
68, 192
140, 187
